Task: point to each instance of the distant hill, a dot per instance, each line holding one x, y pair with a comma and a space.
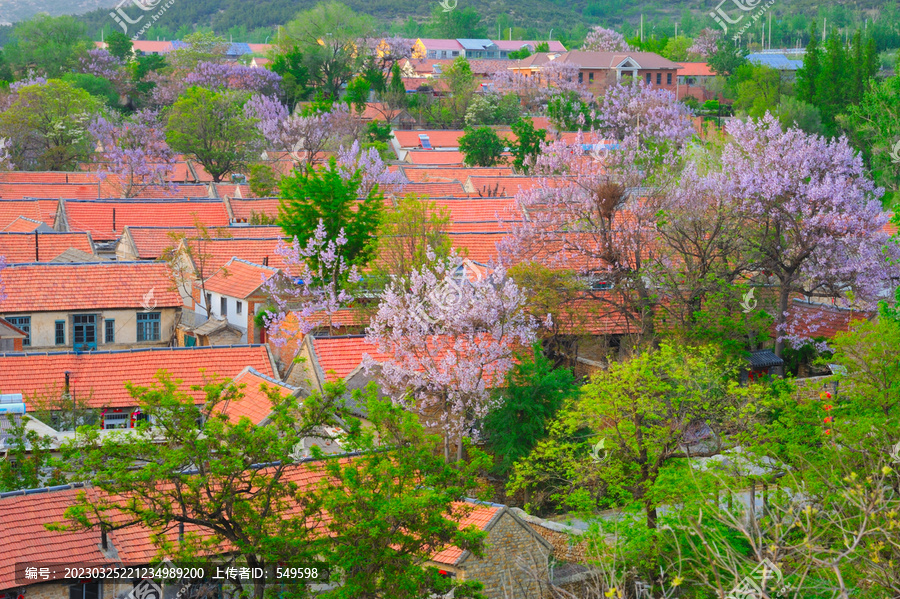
19, 10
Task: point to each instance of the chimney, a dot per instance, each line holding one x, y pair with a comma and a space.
114, 220
37, 255
266, 261
104, 542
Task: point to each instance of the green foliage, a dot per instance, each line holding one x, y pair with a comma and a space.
358, 93
100, 88
727, 57
677, 49
27, 462
392, 506
759, 89
461, 23
797, 113
263, 182
481, 147
211, 128
568, 112
48, 45
47, 126
326, 195
533, 393
119, 45
527, 145
294, 75
378, 132
518, 54
492, 110
408, 232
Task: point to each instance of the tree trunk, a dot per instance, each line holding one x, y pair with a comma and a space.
459, 449
780, 319
651, 514
447, 448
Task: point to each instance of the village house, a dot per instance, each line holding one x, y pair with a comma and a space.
599, 70
476, 49
86, 306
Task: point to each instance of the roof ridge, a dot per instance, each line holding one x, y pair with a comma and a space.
103, 262
36, 490
255, 372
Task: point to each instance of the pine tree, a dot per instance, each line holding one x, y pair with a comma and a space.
808, 75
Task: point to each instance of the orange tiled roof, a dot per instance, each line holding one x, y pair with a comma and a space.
480, 517
821, 320
505, 186
40, 210
418, 174
438, 138
99, 377
243, 209
65, 287
216, 252
477, 246
339, 356
41, 246
22, 224
695, 69
255, 404
96, 216
20, 191
432, 157
436, 190
150, 242
239, 278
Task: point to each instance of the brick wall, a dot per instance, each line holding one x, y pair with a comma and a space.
510, 546
568, 544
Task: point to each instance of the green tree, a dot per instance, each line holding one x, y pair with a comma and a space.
615, 445
760, 89
328, 196
408, 232
119, 45
27, 461
810, 73
568, 112
392, 506
462, 23
727, 57
205, 477
527, 145
49, 45
47, 126
797, 113
263, 182
200, 46
358, 93
100, 88
294, 75
481, 147
211, 128
461, 85
533, 393
328, 38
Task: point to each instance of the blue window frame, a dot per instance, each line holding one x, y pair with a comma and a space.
109, 330
148, 326
60, 331
24, 323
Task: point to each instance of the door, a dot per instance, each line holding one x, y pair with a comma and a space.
85, 332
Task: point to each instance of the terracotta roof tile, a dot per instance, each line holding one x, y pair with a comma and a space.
40, 210
432, 157
477, 246
255, 404
96, 216
438, 138
22, 225
339, 356
418, 174
19, 191
479, 517
41, 247
695, 69
820, 320
239, 278
436, 190
217, 252
243, 209
150, 242
99, 377
64, 287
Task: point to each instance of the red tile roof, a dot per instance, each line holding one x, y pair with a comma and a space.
96, 216
436, 190
40, 210
438, 138
339, 356
432, 157
239, 278
65, 287
26, 540
150, 242
505, 186
216, 252
19, 191
255, 403
22, 225
243, 209
820, 320
99, 377
695, 69
479, 517
48, 177
480, 247
480, 214
41, 247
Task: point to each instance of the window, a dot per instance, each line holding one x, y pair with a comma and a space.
649, 78
148, 326
658, 78
239, 307
668, 78
24, 323
88, 590
591, 77
580, 77
208, 302
113, 420
455, 53
223, 306
109, 331
60, 330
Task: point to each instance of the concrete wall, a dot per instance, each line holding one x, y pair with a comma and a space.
510, 545
43, 328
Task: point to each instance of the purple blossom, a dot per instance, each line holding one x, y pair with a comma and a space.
372, 168
135, 153
306, 295
706, 43
31, 79
450, 330
601, 39
234, 76
101, 63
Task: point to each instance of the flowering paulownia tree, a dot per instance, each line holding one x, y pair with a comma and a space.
134, 151
230, 75
812, 216
373, 169
706, 43
311, 286
601, 39
448, 332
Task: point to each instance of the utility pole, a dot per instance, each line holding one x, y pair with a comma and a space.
642, 28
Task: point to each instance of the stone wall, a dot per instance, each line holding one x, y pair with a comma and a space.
510, 550
568, 544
